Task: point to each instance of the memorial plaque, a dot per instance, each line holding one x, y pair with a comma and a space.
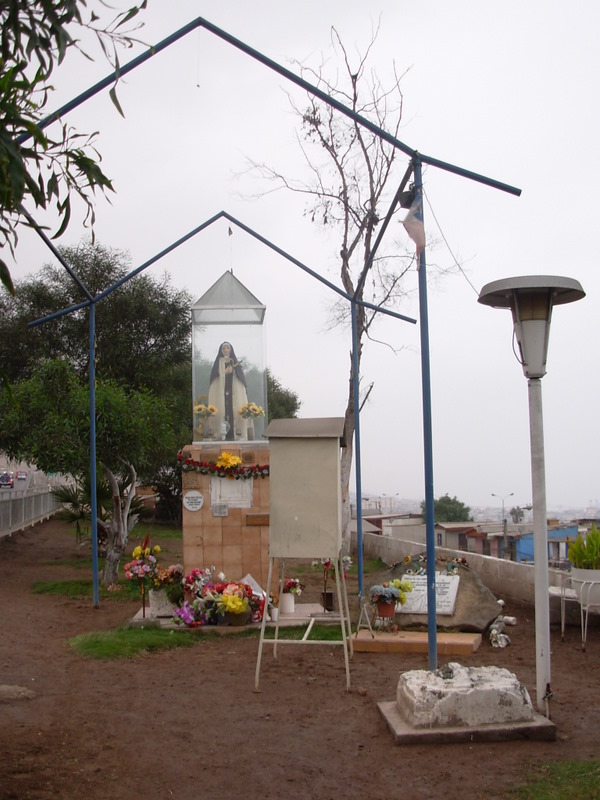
193, 501
234, 494
446, 589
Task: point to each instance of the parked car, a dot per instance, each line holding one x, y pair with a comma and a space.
6, 479
21, 476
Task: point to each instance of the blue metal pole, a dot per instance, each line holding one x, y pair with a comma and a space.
94, 503
427, 446
355, 390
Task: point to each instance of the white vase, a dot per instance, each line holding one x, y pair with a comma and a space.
274, 613
286, 603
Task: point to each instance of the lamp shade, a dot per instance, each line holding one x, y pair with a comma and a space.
530, 300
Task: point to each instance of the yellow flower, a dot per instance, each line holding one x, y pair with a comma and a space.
228, 460
156, 549
137, 552
234, 604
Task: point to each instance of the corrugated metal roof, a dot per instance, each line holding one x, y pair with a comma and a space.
308, 428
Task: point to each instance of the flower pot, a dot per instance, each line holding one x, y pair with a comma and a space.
327, 601
286, 603
274, 614
236, 619
586, 583
386, 610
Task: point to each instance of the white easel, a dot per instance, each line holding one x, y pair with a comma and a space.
305, 515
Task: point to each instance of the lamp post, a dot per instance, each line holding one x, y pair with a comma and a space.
530, 300
504, 532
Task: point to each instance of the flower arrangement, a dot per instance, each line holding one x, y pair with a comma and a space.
171, 580
227, 467
209, 600
251, 410
293, 586
188, 614
394, 591
204, 410
143, 567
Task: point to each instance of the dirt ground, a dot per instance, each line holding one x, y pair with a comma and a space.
187, 724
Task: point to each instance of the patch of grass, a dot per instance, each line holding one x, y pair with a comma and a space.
83, 589
324, 633
155, 532
577, 780
129, 642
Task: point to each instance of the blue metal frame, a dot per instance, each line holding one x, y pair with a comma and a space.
417, 160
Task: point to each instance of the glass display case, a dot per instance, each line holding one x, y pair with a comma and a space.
229, 383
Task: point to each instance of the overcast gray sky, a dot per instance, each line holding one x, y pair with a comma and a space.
508, 91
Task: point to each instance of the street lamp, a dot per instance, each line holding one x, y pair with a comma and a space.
530, 300
504, 532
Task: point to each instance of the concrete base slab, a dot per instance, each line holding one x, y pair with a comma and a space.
414, 642
303, 613
538, 728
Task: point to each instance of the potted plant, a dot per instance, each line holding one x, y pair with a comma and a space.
166, 590
584, 555
387, 595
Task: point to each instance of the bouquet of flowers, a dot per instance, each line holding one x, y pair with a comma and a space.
204, 410
171, 580
210, 598
188, 613
229, 597
394, 591
196, 580
251, 410
293, 585
143, 567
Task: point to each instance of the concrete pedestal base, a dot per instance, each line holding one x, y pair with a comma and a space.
458, 703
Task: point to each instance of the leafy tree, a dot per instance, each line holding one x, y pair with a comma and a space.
351, 189
282, 402
34, 165
46, 422
449, 509
143, 328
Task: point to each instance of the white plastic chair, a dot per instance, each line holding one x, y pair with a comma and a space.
587, 594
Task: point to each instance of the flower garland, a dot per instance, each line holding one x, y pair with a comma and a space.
226, 466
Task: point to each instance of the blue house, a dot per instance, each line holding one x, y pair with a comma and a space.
557, 544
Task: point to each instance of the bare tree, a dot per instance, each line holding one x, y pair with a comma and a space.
351, 184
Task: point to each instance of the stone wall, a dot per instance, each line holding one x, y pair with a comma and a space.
502, 577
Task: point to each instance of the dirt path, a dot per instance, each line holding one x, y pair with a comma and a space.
188, 724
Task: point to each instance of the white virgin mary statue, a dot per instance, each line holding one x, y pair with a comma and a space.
227, 392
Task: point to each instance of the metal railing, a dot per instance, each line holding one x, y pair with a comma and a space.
21, 509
